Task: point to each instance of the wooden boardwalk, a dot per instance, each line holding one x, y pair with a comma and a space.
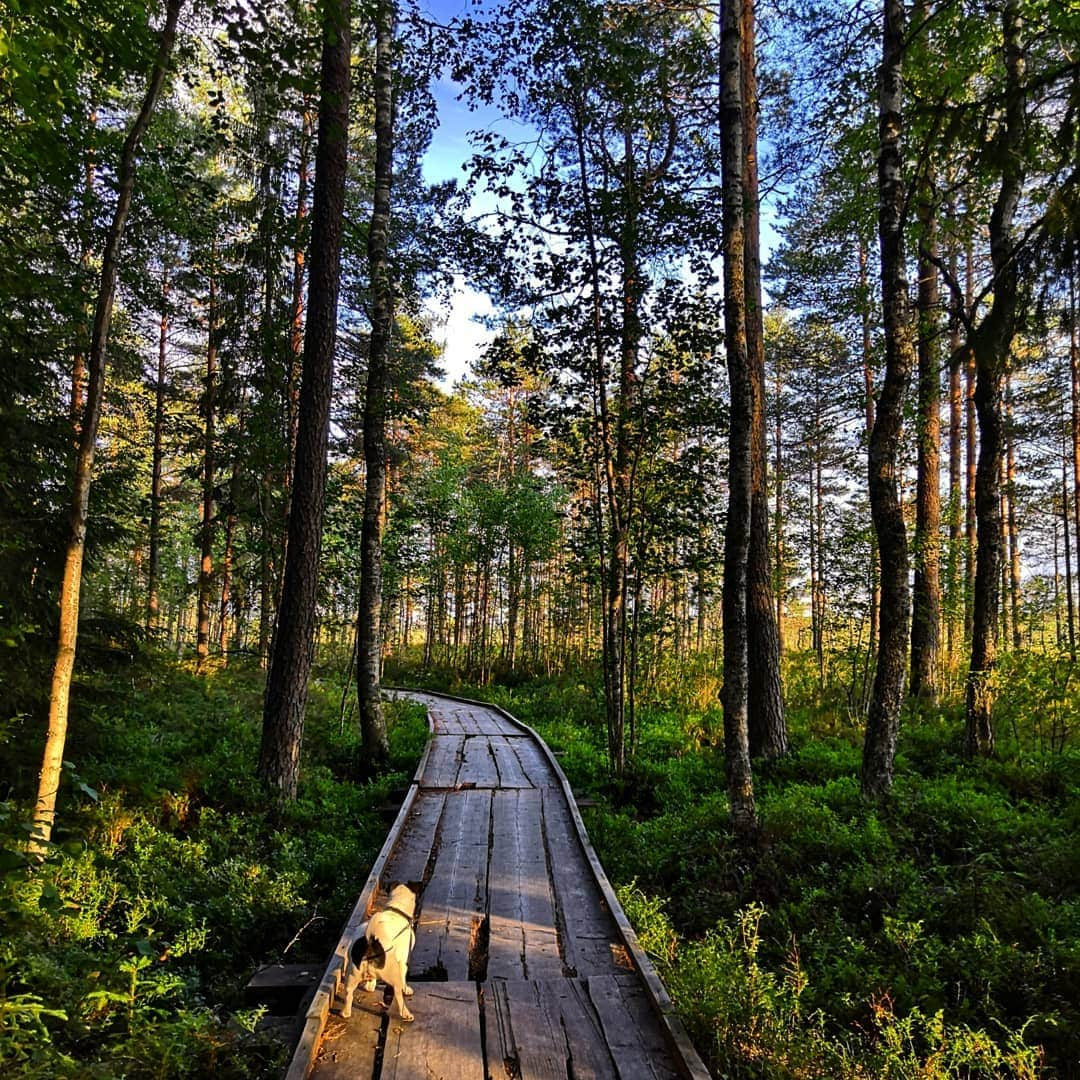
524, 964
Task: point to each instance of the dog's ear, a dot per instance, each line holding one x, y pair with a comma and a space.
416, 886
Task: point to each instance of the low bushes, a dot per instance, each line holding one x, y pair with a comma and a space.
170, 881
938, 936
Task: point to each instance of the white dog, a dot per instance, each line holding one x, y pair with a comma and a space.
381, 951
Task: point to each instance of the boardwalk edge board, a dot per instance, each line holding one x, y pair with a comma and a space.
303, 1058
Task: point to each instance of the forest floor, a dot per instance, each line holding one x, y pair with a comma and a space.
937, 937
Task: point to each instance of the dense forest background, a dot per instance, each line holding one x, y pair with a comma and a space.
781, 552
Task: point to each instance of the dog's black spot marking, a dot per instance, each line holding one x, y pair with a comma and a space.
369, 949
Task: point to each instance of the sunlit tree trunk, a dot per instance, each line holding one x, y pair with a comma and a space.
1069, 609
740, 480
1074, 379
374, 745
290, 666
1010, 521
206, 527
153, 572
926, 605
971, 462
71, 582
991, 341
869, 409
956, 499
225, 619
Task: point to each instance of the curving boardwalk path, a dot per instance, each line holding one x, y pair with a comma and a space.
524, 964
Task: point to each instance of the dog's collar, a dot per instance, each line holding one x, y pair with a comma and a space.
398, 911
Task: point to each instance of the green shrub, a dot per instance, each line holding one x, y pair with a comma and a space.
170, 880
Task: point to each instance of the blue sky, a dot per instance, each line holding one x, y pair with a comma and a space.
464, 337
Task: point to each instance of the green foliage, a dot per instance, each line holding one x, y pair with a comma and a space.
125, 953
934, 937
752, 1021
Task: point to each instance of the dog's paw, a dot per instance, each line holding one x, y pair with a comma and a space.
407, 1017
346, 1009
408, 991
370, 985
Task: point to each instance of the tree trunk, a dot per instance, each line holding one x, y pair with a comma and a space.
1010, 521
956, 358
154, 562
272, 542
740, 479
818, 525
290, 666
778, 512
296, 319
869, 407
991, 341
1070, 611
926, 606
71, 583
206, 529
1074, 374
374, 745
971, 462
767, 724
224, 619
883, 718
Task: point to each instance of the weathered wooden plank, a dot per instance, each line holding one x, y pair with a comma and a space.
478, 766
532, 762
444, 1043
521, 1034
631, 1030
507, 763
445, 717
444, 761
589, 936
523, 940
410, 856
348, 1047
587, 1048
454, 901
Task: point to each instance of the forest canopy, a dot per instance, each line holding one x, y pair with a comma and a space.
761, 500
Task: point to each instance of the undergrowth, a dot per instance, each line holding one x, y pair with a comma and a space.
170, 880
936, 937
